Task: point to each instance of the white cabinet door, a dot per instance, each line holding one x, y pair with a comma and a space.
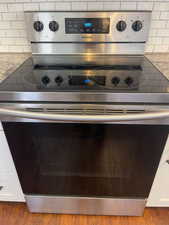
1, 126
159, 195
10, 189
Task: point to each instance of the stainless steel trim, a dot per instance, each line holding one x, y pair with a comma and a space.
87, 49
54, 59
84, 118
83, 97
85, 205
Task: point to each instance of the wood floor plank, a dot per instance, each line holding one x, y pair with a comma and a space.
17, 214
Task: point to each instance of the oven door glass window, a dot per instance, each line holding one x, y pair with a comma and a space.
86, 159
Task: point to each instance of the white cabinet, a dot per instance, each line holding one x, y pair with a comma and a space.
1, 126
159, 195
10, 189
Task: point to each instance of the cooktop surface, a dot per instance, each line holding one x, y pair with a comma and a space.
125, 74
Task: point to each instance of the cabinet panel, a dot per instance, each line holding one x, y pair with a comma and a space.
1, 128
6, 162
10, 187
159, 195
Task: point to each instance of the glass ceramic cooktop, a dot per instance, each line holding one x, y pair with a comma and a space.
139, 77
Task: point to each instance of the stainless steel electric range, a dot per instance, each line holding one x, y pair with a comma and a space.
86, 117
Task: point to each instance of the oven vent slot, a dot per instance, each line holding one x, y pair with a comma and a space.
84, 111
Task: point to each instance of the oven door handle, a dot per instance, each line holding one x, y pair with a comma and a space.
149, 115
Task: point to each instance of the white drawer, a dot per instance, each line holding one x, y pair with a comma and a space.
10, 188
9, 182
1, 128
6, 161
159, 195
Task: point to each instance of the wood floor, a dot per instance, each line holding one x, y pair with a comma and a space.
17, 214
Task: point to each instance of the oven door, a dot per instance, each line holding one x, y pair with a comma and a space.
88, 168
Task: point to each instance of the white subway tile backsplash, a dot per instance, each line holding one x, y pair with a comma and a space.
8, 41
7, 1
22, 33
17, 25
12, 28
23, 1
14, 41
79, 6
31, 6
128, 5
164, 16
144, 6
158, 24
111, 5
149, 48
4, 48
78, 0
36, 0
156, 15
47, 6
155, 40
5, 25
15, 48
63, 6
21, 41
161, 6
26, 48
15, 33
163, 33
2, 33
165, 41
20, 16
161, 48
153, 32
9, 16
3, 8
15, 7
95, 5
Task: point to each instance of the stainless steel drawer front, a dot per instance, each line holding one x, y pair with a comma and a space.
82, 205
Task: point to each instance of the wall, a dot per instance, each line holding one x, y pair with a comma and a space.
12, 28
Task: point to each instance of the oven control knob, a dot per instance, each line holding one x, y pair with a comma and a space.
58, 79
38, 26
129, 81
45, 80
137, 25
121, 25
115, 81
53, 26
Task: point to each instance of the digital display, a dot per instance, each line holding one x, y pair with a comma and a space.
86, 81
87, 25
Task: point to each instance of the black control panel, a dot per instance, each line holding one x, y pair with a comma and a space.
87, 25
